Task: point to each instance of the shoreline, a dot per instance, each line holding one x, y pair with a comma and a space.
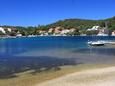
90, 77
52, 36
27, 79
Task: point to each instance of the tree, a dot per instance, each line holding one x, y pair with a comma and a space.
13, 34
91, 32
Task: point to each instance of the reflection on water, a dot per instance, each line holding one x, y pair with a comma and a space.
101, 51
21, 54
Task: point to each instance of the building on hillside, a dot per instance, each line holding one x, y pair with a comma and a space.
72, 30
113, 33
42, 32
57, 30
50, 30
18, 34
94, 28
103, 32
2, 30
64, 31
9, 29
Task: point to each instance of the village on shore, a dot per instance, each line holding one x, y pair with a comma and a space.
57, 31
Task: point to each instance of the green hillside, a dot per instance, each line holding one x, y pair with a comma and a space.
79, 24
84, 23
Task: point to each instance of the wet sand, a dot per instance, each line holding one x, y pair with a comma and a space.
91, 77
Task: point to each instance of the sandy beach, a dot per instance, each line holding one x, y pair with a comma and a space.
93, 77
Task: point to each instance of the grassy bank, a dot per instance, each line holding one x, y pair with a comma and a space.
30, 79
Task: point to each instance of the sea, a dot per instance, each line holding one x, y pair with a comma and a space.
48, 52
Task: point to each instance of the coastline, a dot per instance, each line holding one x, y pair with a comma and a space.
54, 36
90, 77
28, 79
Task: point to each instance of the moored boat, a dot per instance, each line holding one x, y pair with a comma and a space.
96, 43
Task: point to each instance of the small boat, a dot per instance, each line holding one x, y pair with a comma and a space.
96, 43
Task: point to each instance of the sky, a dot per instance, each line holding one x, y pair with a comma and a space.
42, 12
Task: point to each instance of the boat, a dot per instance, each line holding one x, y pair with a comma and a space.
96, 43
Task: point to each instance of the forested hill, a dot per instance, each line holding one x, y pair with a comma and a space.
78, 24
74, 23
84, 23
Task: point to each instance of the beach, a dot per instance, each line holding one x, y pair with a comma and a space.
90, 77
55, 61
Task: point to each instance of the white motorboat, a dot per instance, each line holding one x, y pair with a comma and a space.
96, 43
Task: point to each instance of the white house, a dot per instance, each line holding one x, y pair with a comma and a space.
50, 30
103, 32
9, 29
113, 33
94, 28
2, 30
18, 34
65, 31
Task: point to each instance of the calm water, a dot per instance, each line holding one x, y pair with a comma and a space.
22, 54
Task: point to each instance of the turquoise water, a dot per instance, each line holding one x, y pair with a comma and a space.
16, 46
21, 54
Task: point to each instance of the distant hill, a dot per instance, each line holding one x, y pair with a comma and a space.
84, 23
81, 25
74, 23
